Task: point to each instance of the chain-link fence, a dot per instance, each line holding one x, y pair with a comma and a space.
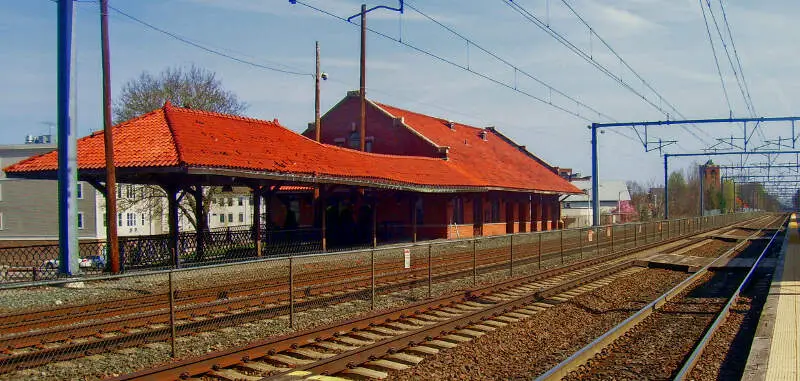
193, 310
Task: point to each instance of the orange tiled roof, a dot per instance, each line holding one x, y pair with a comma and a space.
496, 161
182, 138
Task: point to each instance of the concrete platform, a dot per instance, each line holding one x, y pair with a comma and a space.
775, 348
675, 261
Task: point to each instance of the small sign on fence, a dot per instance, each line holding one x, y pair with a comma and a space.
407, 257
590, 235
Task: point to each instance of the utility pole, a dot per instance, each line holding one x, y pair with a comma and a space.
363, 87
67, 148
111, 176
317, 126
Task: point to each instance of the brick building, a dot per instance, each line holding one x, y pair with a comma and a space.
522, 191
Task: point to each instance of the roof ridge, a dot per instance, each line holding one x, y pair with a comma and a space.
430, 116
222, 115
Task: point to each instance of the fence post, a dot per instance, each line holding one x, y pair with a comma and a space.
172, 314
580, 239
597, 236
644, 224
372, 266
635, 235
540, 250
430, 278
291, 292
474, 262
562, 245
511, 254
612, 238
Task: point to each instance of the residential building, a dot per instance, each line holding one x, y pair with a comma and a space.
615, 204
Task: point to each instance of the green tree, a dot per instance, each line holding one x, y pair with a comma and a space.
191, 87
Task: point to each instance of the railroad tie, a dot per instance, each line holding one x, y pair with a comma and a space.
423, 349
387, 364
311, 353
405, 357
495, 323
368, 335
441, 344
483, 327
403, 326
517, 315
506, 319
387, 331
353, 341
319, 377
469, 332
289, 360
232, 375
366, 372
334, 346
258, 366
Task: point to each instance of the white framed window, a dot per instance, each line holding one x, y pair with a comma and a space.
2, 223
131, 191
230, 217
241, 217
222, 218
79, 193
119, 192
131, 217
143, 220
241, 201
119, 219
80, 220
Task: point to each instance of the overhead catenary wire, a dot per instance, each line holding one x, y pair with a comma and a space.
750, 109
525, 13
716, 60
451, 62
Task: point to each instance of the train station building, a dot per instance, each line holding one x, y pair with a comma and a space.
423, 177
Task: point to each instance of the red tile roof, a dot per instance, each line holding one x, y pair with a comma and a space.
183, 138
496, 161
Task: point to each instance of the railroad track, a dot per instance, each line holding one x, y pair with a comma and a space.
398, 338
81, 330
666, 338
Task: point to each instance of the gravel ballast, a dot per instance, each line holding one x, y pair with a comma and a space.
532, 346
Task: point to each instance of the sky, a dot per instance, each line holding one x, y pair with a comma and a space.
665, 41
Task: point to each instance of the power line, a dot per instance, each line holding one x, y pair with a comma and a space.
736, 54
728, 55
205, 48
588, 57
716, 60
455, 64
506, 62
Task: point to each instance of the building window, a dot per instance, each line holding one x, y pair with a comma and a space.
131, 191
495, 215
241, 201
80, 220
230, 201
79, 194
131, 219
143, 224
119, 219
241, 217
119, 191
458, 211
230, 217
2, 225
354, 140
222, 218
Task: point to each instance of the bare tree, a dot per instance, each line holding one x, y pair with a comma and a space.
191, 87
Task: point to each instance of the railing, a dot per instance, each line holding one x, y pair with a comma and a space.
235, 244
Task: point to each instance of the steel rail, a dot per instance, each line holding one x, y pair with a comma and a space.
684, 372
590, 350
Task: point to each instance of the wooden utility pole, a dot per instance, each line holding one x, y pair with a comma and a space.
363, 88
111, 176
317, 126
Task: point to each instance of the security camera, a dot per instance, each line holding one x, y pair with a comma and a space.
324, 76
